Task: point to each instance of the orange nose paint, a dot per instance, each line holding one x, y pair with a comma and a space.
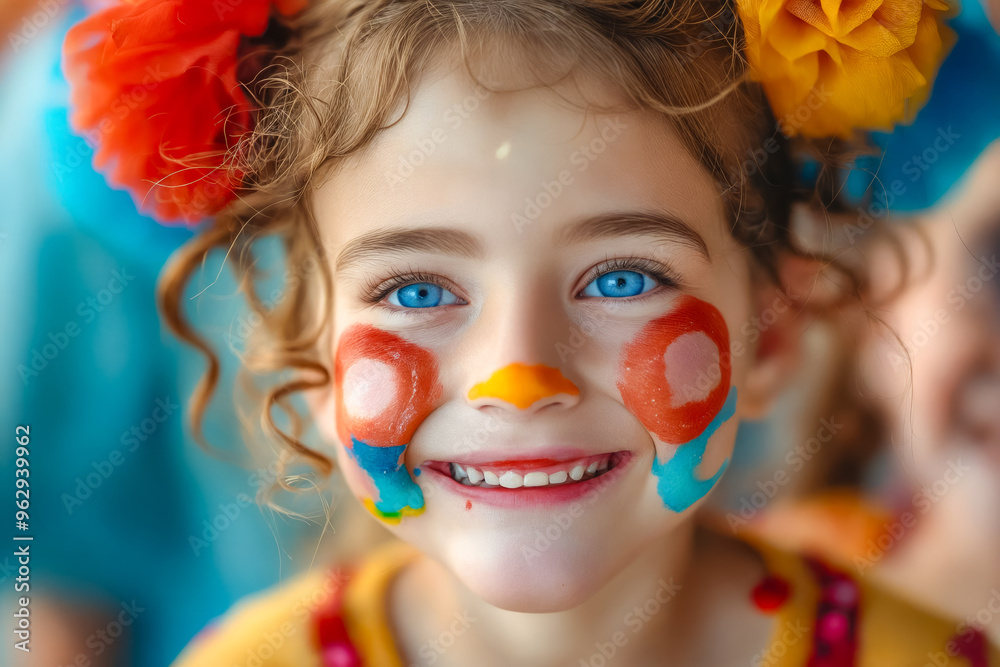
523, 385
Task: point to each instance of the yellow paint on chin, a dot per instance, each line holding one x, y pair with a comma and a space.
523, 385
392, 517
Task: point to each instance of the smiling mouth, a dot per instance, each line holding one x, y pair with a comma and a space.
531, 473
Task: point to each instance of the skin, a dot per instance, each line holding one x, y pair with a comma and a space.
950, 559
519, 302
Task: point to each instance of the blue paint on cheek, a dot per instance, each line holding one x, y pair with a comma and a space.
677, 483
396, 489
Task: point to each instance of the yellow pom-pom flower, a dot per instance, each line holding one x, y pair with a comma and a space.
830, 67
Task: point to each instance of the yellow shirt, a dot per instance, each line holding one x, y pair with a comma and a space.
824, 617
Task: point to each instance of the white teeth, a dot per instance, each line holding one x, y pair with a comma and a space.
475, 477
536, 479
511, 480
554, 478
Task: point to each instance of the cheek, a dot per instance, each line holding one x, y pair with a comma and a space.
384, 388
675, 374
675, 379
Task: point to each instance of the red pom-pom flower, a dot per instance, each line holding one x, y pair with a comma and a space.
153, 87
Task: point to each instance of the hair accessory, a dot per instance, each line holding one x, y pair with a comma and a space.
830, 67
154, 88
154, 83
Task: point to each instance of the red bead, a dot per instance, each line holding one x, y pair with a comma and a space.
340, 654
832, 627
770, 594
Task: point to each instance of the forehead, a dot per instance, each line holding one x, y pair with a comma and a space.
464, 156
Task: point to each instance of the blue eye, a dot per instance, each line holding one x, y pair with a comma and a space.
619, 284
421, 295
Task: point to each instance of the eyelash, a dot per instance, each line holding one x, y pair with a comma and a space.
655, 270
375, 291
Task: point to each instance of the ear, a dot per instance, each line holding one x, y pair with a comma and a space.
774, 344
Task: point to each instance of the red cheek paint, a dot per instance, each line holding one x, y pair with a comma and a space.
678, 402
385, 386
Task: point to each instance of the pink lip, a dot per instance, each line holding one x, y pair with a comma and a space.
528, 496
539, 457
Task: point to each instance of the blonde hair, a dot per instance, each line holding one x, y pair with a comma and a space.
330, 81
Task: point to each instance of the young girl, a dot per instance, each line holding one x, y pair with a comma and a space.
547, 233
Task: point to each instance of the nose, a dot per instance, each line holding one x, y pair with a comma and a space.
524, 388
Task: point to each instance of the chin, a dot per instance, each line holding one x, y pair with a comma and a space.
510, 571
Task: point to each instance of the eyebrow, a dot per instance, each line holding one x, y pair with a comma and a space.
447, 241
634, 223
440, 240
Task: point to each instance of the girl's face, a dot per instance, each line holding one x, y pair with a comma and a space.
948, 320
541, 340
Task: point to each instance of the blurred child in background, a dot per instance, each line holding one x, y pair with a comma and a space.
914, 501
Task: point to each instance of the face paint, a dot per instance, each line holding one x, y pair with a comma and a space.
384, 386
523, 386
675, 378
677, 484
